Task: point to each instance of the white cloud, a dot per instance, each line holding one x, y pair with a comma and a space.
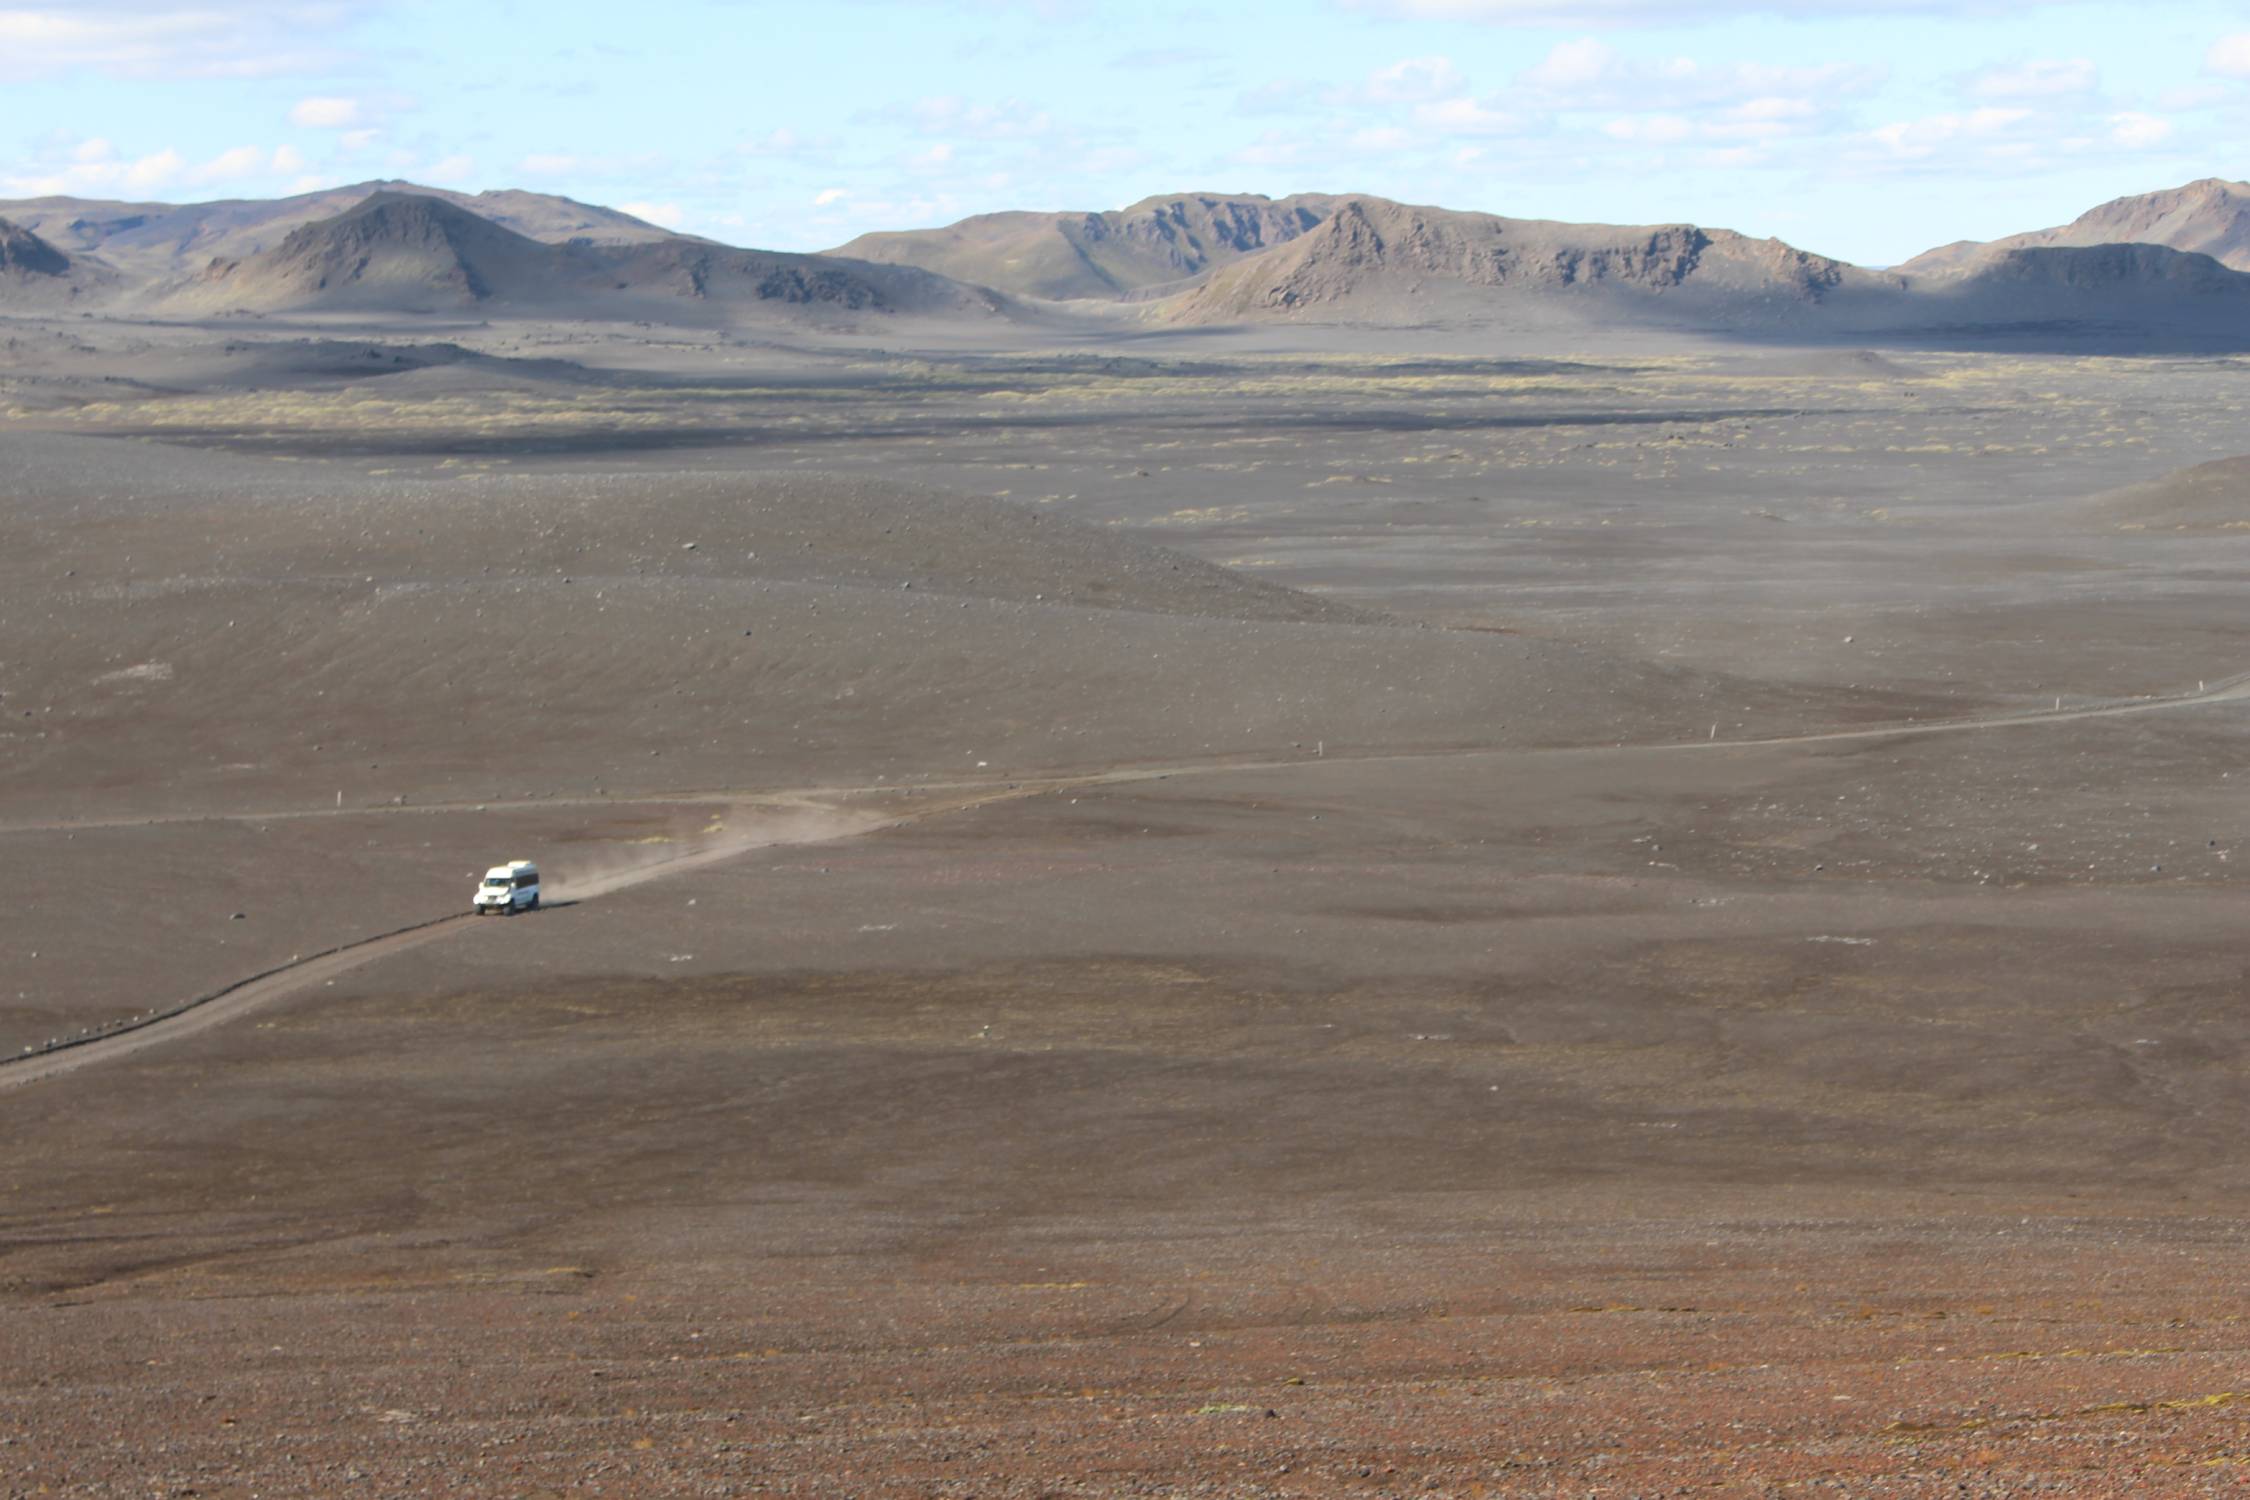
952, 116
2230, 56
829, 196
1772, 107
782, 142
1656, 130
91, 169
2004, 142
152, 172
1733, 156
1928, 135
667, 215
1668, 13
2138, 132
1769, 117
1282, 96
1273, 149
451, 169
2196, 95
325, 113
1575, 64
1412, 80
2042, 78
174, 38
1467, 117
358, 140
1381, 138
231, 166
1589, 74
1737, 136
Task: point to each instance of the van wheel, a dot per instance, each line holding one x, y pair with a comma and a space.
534, 906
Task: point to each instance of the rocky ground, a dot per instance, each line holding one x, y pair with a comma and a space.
1320, 940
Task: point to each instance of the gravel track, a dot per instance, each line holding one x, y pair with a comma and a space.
269, 988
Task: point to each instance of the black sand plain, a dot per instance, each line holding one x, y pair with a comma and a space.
1254, 914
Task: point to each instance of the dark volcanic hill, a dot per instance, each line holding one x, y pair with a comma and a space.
24, 254
1101, 255
2130, 294
2211, 217
1194, 259
36, 277
394, 250
406, 253
1374, 261
2136, 270
157, 241
1379, 264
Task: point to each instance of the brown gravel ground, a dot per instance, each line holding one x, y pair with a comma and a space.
1560, 1119
647, 1197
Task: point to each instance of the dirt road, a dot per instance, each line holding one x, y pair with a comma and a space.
801, 823
809, 817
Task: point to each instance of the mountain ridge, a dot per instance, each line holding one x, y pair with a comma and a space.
156, 240
1100, 254
398, 252
23, 253
1184, 260
1373, 257
2210, 216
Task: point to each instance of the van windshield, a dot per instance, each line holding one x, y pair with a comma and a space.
497, 882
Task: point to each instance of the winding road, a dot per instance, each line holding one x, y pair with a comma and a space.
824, 821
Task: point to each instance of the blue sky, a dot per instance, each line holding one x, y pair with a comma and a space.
1869, 129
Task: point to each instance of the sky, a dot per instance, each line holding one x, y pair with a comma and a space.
1865, 129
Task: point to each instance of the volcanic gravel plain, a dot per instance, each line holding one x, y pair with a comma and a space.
1152, 913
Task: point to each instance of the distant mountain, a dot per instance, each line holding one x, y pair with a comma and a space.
2107, 270
1375, 261
411, 253
35, 276
2131, 294
1101, 255
2210, 217
392, 252
24, 254
1191, 259
2208, 497
155, 240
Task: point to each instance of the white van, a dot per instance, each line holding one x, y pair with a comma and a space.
508, 889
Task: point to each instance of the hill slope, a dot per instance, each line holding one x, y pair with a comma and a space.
2134, 291
163, 240
1101, 255
406, 253
35, 276
2108, 269
24, 254
2207, 497
1381, 262
2210, 217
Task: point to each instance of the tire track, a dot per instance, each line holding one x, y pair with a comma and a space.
221, 1006
808, 825
2235, 689
273, 985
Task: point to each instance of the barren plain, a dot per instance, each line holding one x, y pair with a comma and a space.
1172, 913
